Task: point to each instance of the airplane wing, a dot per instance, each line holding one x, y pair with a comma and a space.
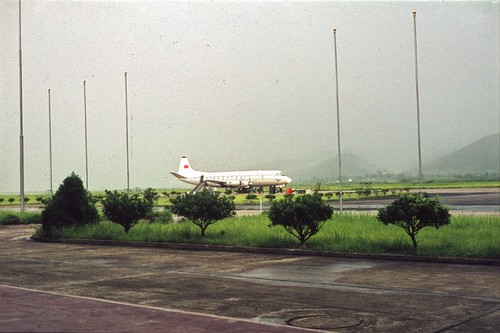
225, 183
220, 183
215, 183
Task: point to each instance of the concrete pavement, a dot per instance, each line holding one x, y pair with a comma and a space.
113, 289
28, 310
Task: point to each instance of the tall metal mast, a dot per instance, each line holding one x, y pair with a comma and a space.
50, 145
420, 176
338, 116
126, 133
86, 150
21, 132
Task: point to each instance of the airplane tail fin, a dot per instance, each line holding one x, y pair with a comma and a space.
185, 168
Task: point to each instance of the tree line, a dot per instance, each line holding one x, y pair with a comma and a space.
302, 216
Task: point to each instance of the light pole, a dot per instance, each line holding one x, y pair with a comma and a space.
50, 144
338, 117
420, 176
86, 151
21, 132
126, 133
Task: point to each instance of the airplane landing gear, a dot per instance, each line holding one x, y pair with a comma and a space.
200, 184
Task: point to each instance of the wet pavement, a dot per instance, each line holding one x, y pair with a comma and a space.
25, 310
46, 287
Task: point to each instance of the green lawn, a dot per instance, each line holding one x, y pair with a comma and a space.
466, 236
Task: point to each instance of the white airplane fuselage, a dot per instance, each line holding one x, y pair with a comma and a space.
230, 179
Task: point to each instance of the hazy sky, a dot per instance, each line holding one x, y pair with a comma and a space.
232, 84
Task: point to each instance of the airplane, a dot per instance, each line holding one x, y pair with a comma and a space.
232, 179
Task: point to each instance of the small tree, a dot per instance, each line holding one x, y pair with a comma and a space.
413, 212
203, 208
302, 217
271, 197
69, 206
151, 196
1, 200
124, 209
251, 197
11, 200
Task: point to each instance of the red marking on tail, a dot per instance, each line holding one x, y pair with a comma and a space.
186, 166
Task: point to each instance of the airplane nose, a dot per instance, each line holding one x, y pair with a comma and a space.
288, 179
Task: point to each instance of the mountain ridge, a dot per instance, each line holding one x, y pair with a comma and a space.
479, 157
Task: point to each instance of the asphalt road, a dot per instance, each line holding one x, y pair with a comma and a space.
478, 201
67, 287
481, 201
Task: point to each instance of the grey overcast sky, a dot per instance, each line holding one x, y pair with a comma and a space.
238, 83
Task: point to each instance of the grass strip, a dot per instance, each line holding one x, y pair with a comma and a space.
466, 236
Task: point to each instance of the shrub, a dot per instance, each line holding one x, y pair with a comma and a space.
69, 206
164, 216
11, 219
203, 208
19, 218
160, 216
124, 209
302, 217
270, 197
31, 218
413, 212
251, 197
151, 197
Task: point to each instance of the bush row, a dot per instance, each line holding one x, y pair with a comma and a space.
9, 218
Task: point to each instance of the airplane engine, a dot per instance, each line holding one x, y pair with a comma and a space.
233, 183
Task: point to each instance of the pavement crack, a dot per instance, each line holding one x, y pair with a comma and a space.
495, 309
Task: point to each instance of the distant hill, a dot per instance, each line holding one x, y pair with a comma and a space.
322, 168
479, 157
327, 171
